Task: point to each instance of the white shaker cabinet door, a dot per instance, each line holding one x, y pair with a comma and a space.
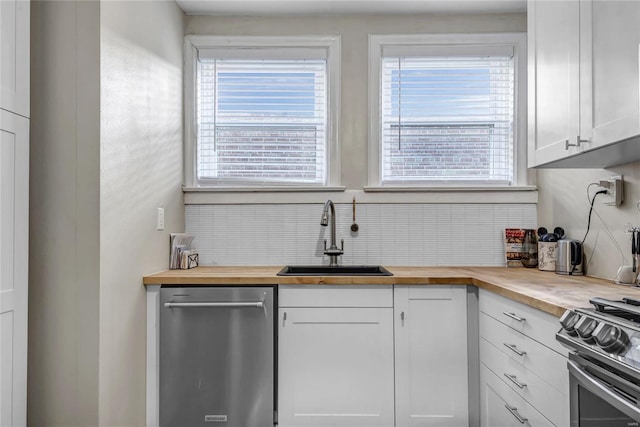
14, 229
335, 367
14, 56
431, 356
554, 79
611, 32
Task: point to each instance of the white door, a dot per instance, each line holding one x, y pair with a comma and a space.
335, 367
611, 30
431, 356
14, 223
14, 56
554, 79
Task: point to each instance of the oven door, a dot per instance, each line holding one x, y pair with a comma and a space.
601, 398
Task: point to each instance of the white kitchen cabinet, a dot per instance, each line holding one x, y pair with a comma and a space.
584, 93
335, 363
502, 407
14, 209
14, 56
537, 392
611, 36
525, 366
553, 34
14, 254
431, 356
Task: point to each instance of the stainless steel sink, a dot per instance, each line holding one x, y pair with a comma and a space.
341, 270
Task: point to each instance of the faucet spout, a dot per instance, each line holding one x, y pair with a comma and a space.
333, 252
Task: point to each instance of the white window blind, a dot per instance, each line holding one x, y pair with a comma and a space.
261, 121
447, 118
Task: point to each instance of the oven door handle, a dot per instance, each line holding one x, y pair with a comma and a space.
594, 386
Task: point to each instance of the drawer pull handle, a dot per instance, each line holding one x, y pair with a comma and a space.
514, 412
513, 348
514, 380
514, 317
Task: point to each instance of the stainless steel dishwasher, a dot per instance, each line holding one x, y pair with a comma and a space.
217, 358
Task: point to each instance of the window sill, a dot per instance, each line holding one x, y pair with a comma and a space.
379, 195
261, 189
447, 189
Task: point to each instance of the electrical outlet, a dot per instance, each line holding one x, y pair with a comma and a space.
615, 191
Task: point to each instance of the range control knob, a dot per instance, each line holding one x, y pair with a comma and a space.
585, 327
568, 321
611, 338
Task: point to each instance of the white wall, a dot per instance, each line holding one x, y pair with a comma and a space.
106, 152
563, 202
354, 30
398, 229
64, 214
141, 170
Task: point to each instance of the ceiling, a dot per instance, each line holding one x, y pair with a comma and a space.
341, 7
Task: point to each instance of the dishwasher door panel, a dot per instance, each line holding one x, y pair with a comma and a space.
217, 357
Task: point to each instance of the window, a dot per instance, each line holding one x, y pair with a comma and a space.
263, 111
446, 112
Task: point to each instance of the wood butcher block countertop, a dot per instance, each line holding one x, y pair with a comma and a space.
543, 290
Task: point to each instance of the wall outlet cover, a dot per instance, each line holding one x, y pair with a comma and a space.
615, 191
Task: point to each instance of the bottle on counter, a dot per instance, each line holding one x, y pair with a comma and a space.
529, 256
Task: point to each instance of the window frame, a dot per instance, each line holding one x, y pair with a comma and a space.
378, 42
195, 42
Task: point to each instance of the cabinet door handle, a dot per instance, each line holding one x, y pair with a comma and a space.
514, 412
577, 144
284, 318
514, 380
402, 318
513, 348
514, 317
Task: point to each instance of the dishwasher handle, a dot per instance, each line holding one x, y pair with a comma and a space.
254, 304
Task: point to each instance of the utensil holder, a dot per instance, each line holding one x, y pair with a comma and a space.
547, 256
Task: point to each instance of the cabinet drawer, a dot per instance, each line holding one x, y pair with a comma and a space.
496, 396
335, 296
544, 362
534, 323
546, 399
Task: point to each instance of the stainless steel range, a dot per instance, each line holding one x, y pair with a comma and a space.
604, 367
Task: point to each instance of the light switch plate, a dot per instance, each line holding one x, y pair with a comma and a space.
160, 219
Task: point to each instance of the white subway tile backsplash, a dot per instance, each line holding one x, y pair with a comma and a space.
389, 234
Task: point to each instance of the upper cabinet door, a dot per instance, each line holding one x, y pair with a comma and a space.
554, 76
610, 29
584, 95
14, 56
